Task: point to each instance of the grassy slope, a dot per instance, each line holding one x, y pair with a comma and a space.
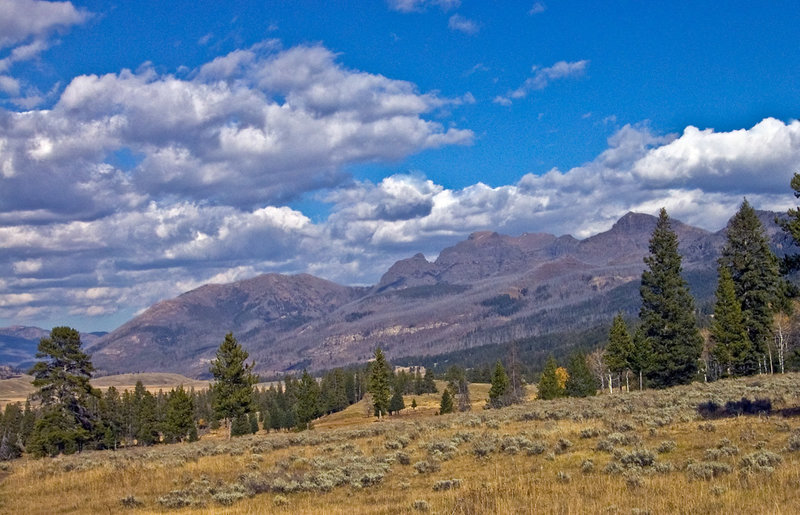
17, 389
526, 459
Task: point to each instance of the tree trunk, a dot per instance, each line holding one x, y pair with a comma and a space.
610, 384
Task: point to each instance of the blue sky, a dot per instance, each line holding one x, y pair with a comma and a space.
149, 147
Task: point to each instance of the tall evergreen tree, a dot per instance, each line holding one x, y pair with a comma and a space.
396, 403
754, 271
669, 325
380, 381
732, 350
62, 379
232, 389
179, 416
549, 387
498, 393
581, 382
619, 353
792, 226
446, 404
308, 401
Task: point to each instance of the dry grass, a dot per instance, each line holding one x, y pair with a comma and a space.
17, 389
647, 452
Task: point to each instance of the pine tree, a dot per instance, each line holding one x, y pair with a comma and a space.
669, 325
396, 403
754, 271
232, 389
619, 353
179, 416
581, 382
732, 351
380, 383
498, 392
459, 387
446, 404
792, 226
549, 387
145, 426
62, 379
308, 401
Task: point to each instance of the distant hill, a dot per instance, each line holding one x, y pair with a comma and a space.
488, 289
18, 344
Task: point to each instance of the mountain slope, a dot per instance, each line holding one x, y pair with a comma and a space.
490, 288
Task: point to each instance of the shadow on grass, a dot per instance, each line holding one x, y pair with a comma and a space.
712, 410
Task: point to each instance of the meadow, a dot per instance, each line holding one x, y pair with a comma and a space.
732, 446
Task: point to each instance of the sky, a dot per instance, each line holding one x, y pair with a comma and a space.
150, 147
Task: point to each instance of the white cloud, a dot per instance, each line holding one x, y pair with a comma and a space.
22, 19
537, 8
542, 77
252, 127
461, 24
408, 6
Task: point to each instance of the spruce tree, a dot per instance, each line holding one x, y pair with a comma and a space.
669, 325
581, 382
446, 404
791, 225
380, 383
179, 416
498, 392
549, 387
308, 401
232, 389
396, 403
754, 271
619, 354
732, 350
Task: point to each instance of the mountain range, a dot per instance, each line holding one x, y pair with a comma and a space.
488, 289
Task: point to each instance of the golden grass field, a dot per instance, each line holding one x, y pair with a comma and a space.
18, 389
638, 452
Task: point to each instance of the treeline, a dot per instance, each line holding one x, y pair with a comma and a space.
67, 415
751, 327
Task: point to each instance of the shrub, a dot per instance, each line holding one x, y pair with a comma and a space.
426, 467
707, 470
638, 458
446, 484
666, 446
760, 461
420, 505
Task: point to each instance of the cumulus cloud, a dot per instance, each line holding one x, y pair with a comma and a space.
542, 77
255, 126
462, 24
137, 186
26, 30
23, 19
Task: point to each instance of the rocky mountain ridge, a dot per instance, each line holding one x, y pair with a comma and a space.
489, 288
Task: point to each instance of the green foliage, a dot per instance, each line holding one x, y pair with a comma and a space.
619, 350
754, 271
179, 417
581, 382
549, 387
446, 404
669, 327
308, 401
498, 393
232, 389
792, 226
396, 403
62, 379
380, 383
459, 387
732, 351
504, 305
